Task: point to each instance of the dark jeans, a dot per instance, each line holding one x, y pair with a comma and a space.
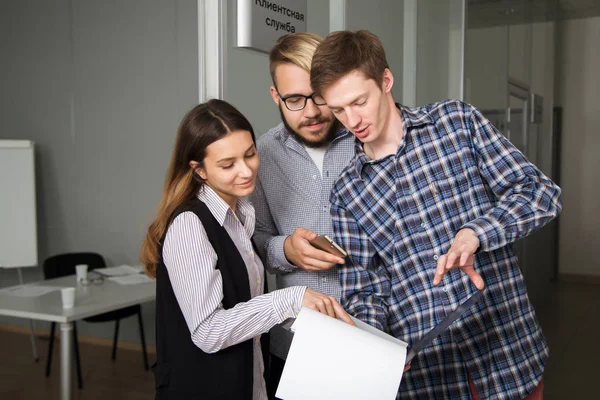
277, 365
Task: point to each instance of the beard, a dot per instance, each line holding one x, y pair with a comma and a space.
328, 138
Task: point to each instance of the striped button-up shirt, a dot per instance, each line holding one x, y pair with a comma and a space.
396, 215
191, 263
291, 193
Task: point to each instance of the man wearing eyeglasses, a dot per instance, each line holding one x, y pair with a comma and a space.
301, 159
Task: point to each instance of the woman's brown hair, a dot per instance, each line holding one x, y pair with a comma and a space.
204, 124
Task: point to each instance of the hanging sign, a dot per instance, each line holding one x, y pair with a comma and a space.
260, 23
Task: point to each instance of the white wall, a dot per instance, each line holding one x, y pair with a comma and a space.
101, 88
520, 49
439, 50
486, 67
432, 51
578, 93
383, 18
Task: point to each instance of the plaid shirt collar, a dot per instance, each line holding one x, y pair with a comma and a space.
411, 117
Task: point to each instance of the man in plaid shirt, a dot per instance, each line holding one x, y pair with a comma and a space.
429, 210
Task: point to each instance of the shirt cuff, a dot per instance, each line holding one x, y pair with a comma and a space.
288, 302
278, 261
490, 233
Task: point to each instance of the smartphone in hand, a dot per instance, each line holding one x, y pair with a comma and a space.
325, 243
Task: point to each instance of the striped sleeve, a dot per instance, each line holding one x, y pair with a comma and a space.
198, 287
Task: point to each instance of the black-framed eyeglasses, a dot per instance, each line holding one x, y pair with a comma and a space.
297, 102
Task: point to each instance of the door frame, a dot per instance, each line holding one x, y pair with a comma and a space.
212, 51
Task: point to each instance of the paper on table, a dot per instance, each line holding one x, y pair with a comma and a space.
29, 290
118, 271
130, 279
330, 359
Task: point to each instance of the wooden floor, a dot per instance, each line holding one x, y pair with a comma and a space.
22, 378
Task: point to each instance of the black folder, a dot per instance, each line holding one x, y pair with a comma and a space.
432, 334
442, 326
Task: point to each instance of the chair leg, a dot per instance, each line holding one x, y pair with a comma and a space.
116, 337
141, 324
50, 348
77, 358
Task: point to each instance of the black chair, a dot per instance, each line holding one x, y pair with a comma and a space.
64, 264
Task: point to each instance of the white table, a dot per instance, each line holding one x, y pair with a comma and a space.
89, 300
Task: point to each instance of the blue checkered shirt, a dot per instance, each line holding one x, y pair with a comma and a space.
292, 193
396, 215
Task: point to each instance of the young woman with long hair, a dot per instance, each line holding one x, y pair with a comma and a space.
211, 306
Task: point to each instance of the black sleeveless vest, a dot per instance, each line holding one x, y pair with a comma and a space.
182, 370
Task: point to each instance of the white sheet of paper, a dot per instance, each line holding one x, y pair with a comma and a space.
330, 359
118, 271
130, 279
29, 290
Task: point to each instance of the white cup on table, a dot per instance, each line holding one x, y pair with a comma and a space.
68, 297
81, 272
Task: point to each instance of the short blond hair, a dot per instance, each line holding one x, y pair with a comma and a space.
294, 48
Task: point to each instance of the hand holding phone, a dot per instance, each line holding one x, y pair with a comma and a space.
325, 243
307, 251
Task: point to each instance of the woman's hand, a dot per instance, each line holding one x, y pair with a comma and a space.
325, 304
